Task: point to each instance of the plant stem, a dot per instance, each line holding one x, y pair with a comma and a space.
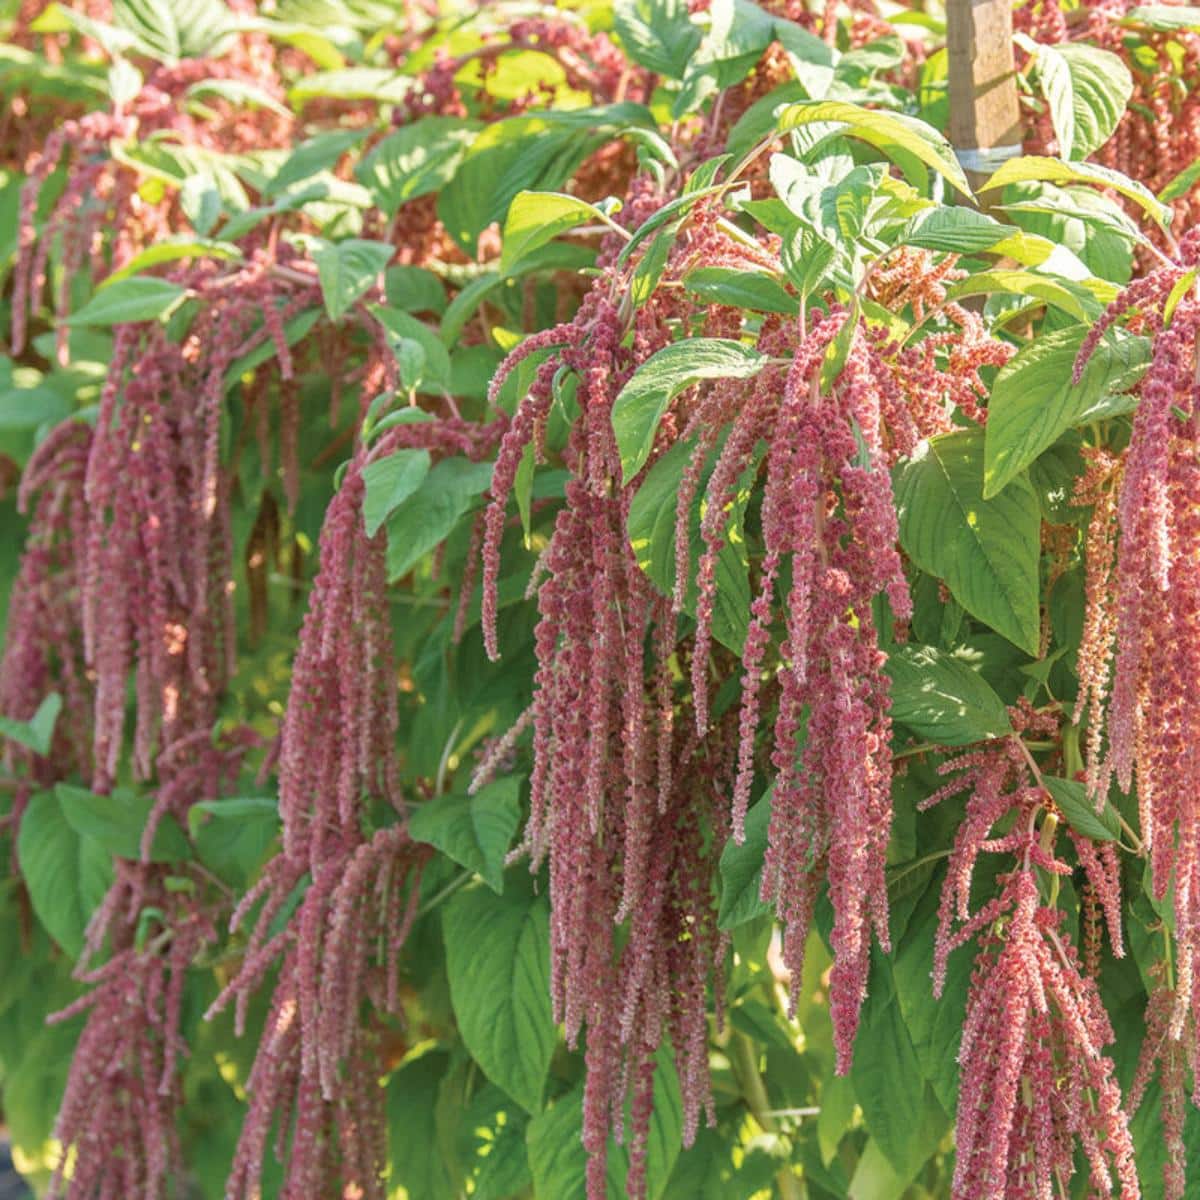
447, 891
745, 1066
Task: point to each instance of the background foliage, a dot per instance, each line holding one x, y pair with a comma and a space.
262, 266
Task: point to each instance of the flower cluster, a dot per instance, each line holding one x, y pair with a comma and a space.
1150, 722
124, 1085
43, 648
313, 1071
1034, 1079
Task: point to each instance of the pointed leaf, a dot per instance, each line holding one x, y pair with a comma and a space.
138, 298
986, 551
476, 830
67, 875
893, 134
498, 962
1034, 402
347, 270
943, 699
38, 731
640, 406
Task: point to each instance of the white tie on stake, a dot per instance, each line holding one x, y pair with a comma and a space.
986, 160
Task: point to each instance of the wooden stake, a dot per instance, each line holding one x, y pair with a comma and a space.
984, 110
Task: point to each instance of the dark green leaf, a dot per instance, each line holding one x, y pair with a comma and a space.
888, 1081
475, 831
498, 962
320, 153
389, 482
558, 1160
652, 535
742, 868
232, 836
117, 821
1072, 800
431, 512
416, 1149
1181, 184
347, 270
986, 551
415, 160
67, 875
740, 289
941, 698
38, 731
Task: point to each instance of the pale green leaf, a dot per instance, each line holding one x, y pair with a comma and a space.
641, 403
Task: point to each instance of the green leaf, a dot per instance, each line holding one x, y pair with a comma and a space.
389, 482
651, 529
347, 270
33, 1087
1181, 184
754, 290
460, 310
649, 269
1073, 300
498, 963
475, 830
558, 1160
1183, 284
742, 870
1052, 170
535, 218
414, 290
172, 251
434, 371
117, 821
238, 93
642, 402
38, 732
138, 298
492, 1138
1072, 800
657, 34
67, 875
426, 518
232, 835
943, 699
808, 257
888, 1081
377, 84
527, 153
417, 1150
986, 551
934, 1026
894, 134
170, 31
1034, 402
294, 331
1163, 18
1087, 89
415, 160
